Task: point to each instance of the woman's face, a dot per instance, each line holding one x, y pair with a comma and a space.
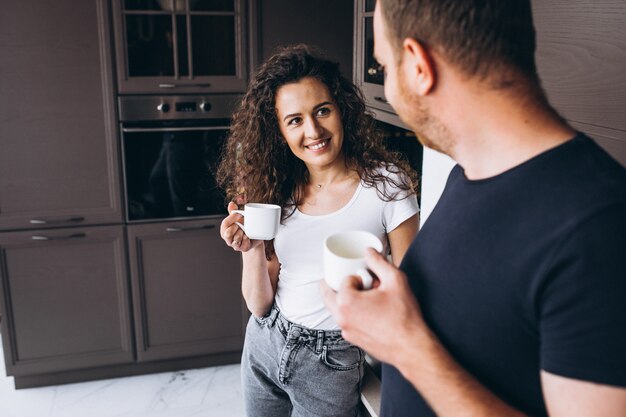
310, 122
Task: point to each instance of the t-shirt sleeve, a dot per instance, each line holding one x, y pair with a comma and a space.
399, 209
583, 305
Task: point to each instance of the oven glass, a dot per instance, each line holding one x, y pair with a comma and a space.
170, 173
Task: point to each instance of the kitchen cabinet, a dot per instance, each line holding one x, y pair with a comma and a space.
181, 46
368, 74
581, 59
65, 264
186, 286
58, 147
64, 298
64, 279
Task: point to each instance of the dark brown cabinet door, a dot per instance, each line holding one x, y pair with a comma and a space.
186, 287
64, 298
581, 59
181, 46
58, 147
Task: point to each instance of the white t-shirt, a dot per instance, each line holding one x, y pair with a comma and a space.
299, 248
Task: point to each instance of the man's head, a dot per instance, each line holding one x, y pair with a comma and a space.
481, 38
488, 42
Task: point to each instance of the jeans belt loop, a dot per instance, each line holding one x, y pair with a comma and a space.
273, 316
320, 341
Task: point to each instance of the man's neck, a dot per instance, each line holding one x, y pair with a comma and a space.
494, 131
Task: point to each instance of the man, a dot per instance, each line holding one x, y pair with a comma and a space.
512, 299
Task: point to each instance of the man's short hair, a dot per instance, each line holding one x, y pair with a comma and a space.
480, 37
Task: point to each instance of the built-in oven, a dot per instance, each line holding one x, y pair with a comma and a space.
170, 149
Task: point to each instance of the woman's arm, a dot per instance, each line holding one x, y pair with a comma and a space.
259, 277
401, 237
259, 280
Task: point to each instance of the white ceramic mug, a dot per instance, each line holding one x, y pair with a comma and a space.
261, 220
344, 254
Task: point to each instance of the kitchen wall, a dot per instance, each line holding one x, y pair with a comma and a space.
325, 23
581, 58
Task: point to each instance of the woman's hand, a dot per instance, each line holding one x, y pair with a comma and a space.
232, 234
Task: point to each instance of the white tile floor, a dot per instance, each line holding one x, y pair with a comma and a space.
207, 392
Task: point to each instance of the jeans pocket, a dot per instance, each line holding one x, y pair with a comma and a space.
343, 359
261, 321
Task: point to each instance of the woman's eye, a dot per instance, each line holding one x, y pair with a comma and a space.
323, 111
294, 121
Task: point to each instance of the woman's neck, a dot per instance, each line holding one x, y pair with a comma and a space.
320, 177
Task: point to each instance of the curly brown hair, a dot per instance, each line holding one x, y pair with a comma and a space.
257, 164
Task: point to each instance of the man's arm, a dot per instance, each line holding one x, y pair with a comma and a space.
387, 322
576, 398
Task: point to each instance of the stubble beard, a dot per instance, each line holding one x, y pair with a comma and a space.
430, 131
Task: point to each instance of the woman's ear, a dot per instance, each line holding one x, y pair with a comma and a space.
419, 67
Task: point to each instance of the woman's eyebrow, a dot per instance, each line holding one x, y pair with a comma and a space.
324, 103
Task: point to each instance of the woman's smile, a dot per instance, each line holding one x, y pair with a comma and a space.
318, 145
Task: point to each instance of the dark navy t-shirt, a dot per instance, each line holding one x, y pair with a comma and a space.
522, 272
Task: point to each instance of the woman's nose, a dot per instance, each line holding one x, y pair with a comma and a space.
312, 129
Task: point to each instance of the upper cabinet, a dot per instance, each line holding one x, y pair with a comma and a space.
181, 46
58, 143
368, 74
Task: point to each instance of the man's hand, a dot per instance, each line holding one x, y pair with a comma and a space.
388, 324
379, 320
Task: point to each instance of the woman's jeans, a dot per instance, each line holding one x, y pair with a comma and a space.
290, 370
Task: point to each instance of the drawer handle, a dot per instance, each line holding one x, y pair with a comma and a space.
72, 236
71, 219
187, 229
381, 99
375, 70
204, 85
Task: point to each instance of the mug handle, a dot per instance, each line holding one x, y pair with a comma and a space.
366, 278
237, 223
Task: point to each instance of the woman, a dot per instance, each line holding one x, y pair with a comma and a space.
301, 139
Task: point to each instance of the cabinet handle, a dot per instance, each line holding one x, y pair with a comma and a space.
381, 99
71, 219
204, 85
172, 129
72, 236
376, 70
187, 229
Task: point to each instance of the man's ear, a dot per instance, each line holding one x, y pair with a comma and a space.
419, 67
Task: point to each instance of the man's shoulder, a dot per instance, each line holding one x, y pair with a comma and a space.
595, 171
578, 171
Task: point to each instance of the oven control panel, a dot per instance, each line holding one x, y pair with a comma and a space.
135, 108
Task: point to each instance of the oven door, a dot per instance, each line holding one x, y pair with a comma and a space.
169, 170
